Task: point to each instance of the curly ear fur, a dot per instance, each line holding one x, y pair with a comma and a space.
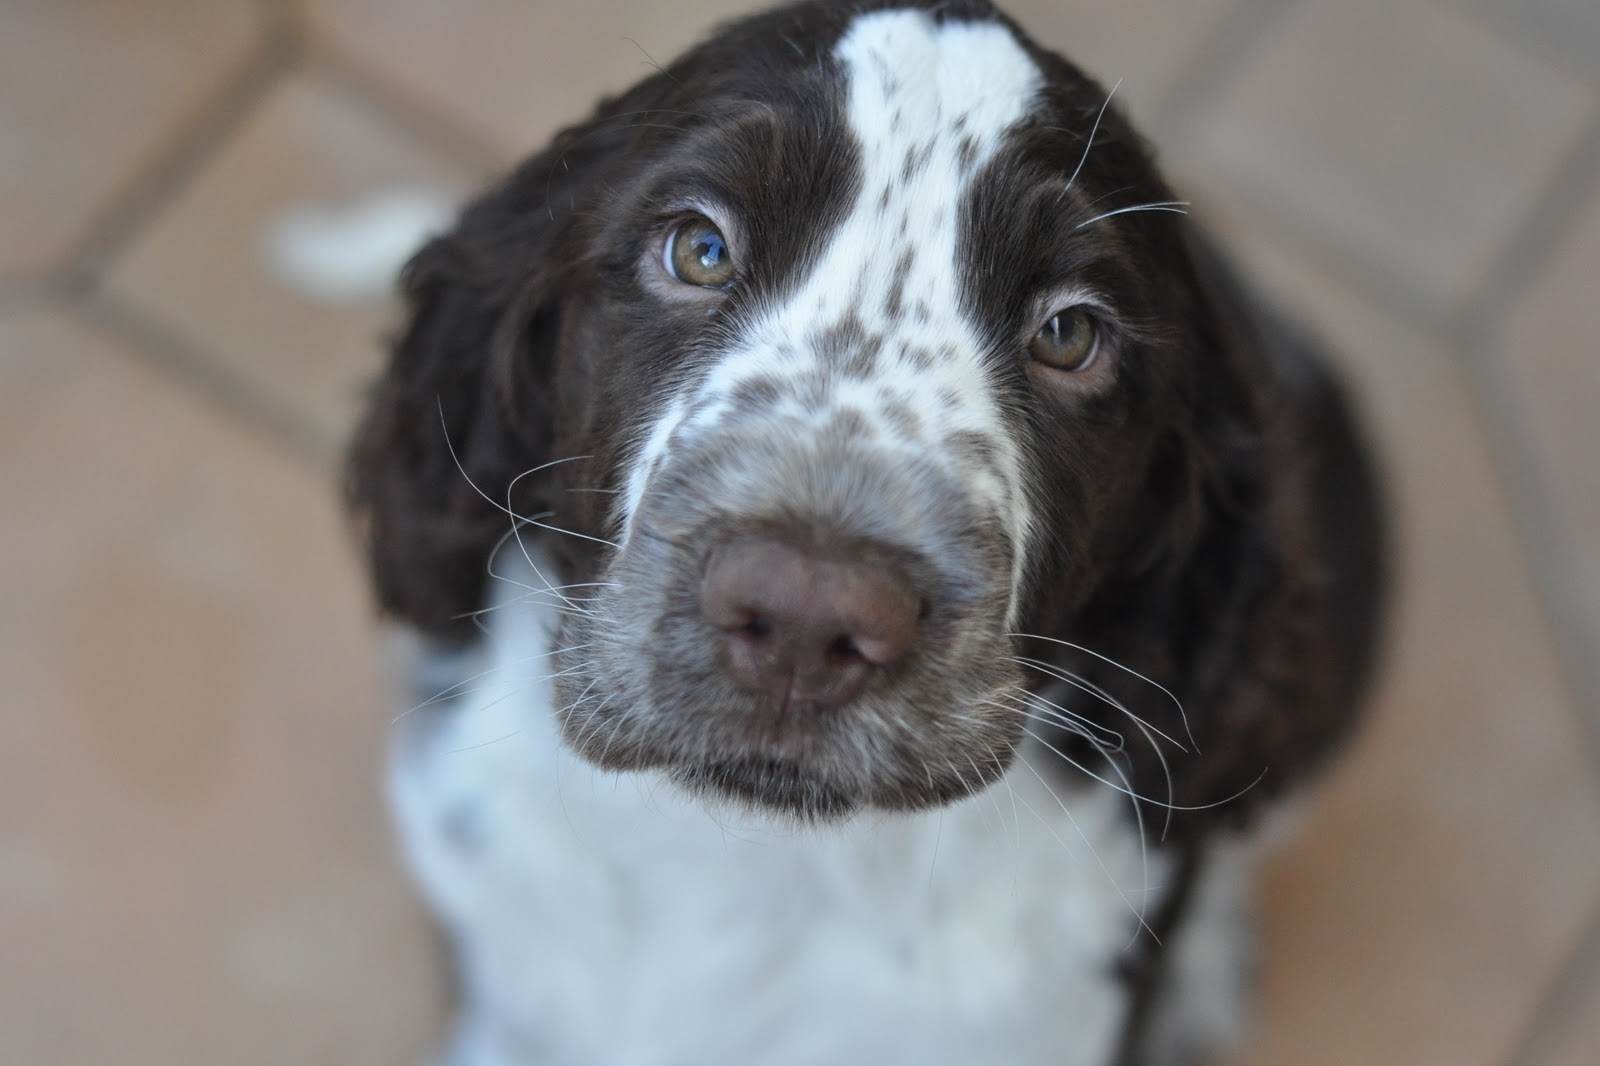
1269, 588
1284, 594
465, 404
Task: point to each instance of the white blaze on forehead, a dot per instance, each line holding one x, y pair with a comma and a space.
928, 104
912, 79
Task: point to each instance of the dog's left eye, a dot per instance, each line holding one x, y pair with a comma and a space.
697, 254
1068, 341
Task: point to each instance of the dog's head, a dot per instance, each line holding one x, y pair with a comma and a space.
858, 341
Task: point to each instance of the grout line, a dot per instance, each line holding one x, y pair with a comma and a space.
427, 124
1522, 263
170, 354
1237, 35
77, 289
1564, 1001
1546, 545
148, 194
282, 47
1536, 37
1479, 334
1381, 287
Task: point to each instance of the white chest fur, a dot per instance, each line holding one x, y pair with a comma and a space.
605, 919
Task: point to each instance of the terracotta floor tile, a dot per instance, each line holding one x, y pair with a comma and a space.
1549, 369
1401, 134
1145, 43
1569, 29
194, 866
511, 71
1440, 880
1577, 1037
202, 267
89, 94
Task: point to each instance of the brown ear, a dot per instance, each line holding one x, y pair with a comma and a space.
466, 401
1272, 616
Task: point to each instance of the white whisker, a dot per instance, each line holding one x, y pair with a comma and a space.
1084, 685
1184, 715
1145, 799
485, 744
1085, 727
450, 446
1137, 912
572, 533
1016, 819
978, 775
1176, 207
517, 519
1092, 131
464, 686
1044, 716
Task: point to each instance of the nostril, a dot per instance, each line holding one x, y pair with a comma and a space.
884, 643
798, 623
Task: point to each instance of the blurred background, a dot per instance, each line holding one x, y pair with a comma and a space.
195, 864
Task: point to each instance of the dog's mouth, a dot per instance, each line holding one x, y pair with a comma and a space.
823, 770
774, 785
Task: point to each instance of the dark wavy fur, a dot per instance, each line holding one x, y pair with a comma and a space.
1231, 551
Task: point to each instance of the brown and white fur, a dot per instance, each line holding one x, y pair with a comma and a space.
875, 567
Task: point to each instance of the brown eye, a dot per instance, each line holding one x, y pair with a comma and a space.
1067, 342
697, 254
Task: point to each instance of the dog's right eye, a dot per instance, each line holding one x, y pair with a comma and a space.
697, 254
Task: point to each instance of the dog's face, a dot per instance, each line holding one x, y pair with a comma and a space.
850, 347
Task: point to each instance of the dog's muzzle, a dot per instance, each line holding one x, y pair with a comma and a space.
812, 615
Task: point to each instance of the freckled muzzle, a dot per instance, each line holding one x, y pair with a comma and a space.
808, 622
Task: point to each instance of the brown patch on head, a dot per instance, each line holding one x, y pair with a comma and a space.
906, 422
848, 348
917, 357
755, 394
967, 153
976, 449
894, 302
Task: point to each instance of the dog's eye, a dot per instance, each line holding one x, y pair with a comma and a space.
697, 254
1067, 342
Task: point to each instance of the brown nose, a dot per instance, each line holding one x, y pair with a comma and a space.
798, 626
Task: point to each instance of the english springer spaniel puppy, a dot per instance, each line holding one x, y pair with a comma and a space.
874, 566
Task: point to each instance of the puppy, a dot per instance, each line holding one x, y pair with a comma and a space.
875, 568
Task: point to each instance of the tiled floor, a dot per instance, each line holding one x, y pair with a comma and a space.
194, 863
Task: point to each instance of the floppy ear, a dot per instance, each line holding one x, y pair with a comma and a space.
467, 400
1271, 619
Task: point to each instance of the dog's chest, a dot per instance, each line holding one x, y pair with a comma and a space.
606, 919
